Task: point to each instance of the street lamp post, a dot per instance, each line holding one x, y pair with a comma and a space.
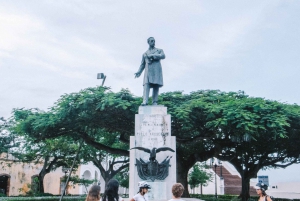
215, 165
65, 181
101, 76
220, 163
65, 170
221, 184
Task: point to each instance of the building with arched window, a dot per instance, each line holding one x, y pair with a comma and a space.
18, 178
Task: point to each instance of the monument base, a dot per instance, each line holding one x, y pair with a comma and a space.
153, 134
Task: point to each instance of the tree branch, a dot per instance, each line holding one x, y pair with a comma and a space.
100, 146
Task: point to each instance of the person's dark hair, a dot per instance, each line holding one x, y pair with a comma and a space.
94, 193
149, 39
111, 191
177, 190
263, 187
143, 185
140, 190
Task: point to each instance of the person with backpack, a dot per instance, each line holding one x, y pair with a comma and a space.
261, 191
142, 194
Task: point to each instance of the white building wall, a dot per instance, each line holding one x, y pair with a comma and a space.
231, 168
210, 188
289, 190
90, 171
285, 190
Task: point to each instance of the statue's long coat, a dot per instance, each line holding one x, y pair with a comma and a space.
153, 70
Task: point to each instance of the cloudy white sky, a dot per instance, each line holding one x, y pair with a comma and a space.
48, 48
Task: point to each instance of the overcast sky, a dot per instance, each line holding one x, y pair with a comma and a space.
49, 48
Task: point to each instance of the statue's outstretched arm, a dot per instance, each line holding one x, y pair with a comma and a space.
142, 67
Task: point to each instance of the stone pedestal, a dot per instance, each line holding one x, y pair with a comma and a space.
153, 130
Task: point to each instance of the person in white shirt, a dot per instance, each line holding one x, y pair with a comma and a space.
111, 191
177, 191
142, 194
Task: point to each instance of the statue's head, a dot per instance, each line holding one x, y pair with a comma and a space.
151, 41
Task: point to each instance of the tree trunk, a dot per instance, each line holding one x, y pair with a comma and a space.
245, 195
107, 178
41, 181
201, 189
182, 176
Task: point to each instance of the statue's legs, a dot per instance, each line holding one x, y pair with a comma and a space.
146, 94
155, 91
155, 94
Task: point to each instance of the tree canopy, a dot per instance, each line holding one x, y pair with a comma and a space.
255, 133
8, 140
206, 123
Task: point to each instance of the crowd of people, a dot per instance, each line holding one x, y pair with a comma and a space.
112, 189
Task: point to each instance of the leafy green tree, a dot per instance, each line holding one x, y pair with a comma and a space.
7, 139
52, 153
254, 133
98, 111
206, 123
123, 178
199, 176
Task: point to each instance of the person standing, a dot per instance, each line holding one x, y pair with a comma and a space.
142, 194
112, 191
261, 191
153, 77
177, 191
94, 193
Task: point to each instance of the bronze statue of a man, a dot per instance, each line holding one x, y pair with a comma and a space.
153, 77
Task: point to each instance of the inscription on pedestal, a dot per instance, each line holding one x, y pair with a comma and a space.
152, 130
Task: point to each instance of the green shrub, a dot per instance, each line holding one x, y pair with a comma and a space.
2, 195
44, 194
